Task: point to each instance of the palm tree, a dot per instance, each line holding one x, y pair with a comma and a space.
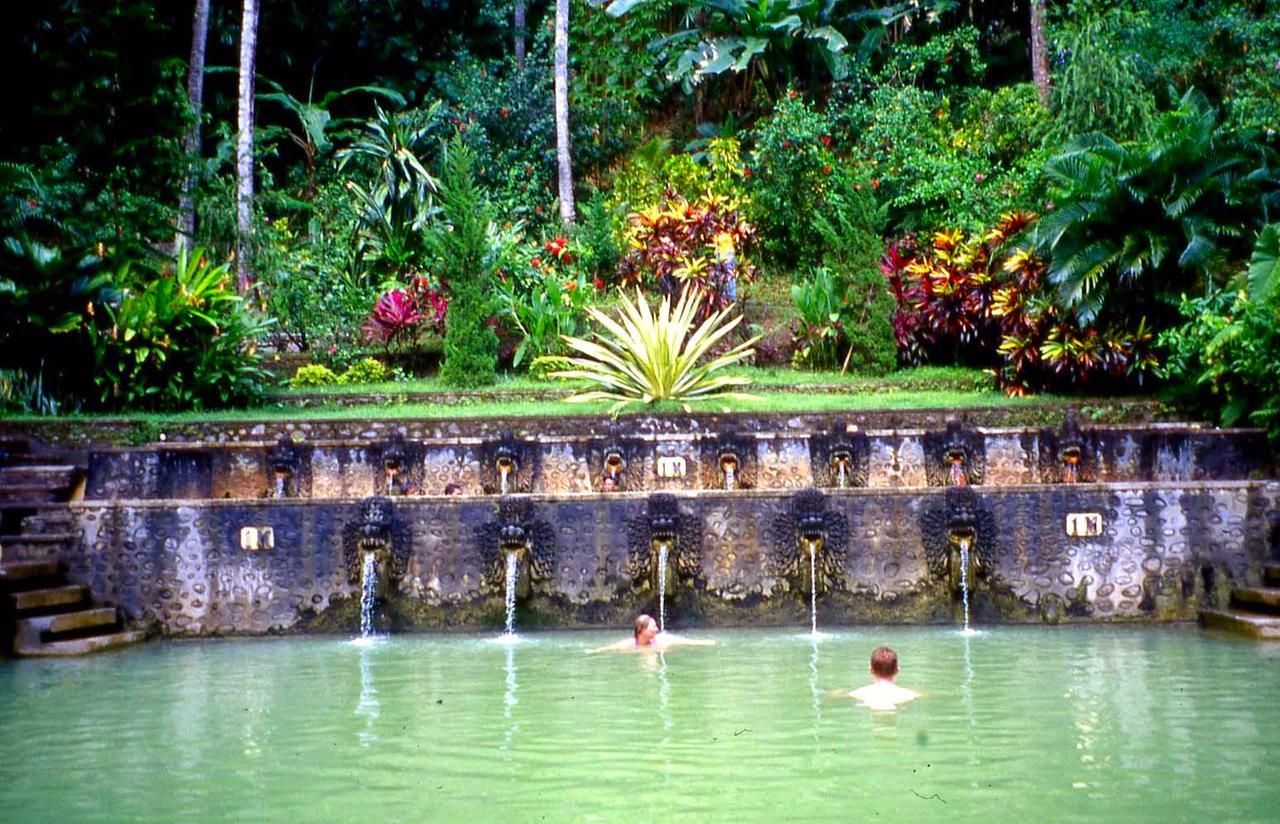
519, 25
191, 140
244, 144
1039, 52
567, 212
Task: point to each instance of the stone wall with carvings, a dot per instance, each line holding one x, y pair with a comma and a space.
1163, 552
780, 459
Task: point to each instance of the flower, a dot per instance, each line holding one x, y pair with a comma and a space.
599, 284
875, 183
826, 170
786, 144
746, 171
504, 112
826, 140
536, 262
979, 177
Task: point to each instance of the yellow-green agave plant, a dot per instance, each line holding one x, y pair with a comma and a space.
646, 357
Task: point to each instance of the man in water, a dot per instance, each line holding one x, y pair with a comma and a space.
883, 694
647, 638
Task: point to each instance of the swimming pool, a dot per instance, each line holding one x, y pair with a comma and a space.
1018, 724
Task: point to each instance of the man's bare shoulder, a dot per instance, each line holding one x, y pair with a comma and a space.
883, 695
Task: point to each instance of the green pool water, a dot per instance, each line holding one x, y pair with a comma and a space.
1018, 724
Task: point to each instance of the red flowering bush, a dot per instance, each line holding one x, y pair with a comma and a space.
673, 244
967, 299
401, 316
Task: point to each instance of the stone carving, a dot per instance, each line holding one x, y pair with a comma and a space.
840, 459
284, 470
663, 521
960, 515
728, 461
400, 467
808, 522
955, 457
1064, 457
376, 530
507, 457
516, 528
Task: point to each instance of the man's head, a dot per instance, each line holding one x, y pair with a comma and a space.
646, 629
452, 489
884, 663
609, 484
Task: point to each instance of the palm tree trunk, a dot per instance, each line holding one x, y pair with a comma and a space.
244, 144
520, 32
1039, 52
567, 212
191, 140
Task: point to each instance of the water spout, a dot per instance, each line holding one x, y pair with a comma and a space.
840, 462
664, 551
812, 545
964, 580
392, 471
1070, 458
613, 465
729, 468
368, 595
505, 467
281, 489
512, 575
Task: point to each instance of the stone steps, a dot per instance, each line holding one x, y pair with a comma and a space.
1257, 599
1271, 575
14, 571
1250, 624
50, 599
81, 646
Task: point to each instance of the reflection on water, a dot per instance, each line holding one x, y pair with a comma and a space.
367, 706
1017, 724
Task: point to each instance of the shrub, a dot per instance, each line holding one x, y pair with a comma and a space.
844, 318
1136, 224
1100, 89
179, 340
545, 367
673, 245
314, 374
968, 299
647, 358
461, 247
1222, 360
545, 299
365, 370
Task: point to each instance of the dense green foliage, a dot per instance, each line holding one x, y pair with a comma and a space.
746, 150
460, 248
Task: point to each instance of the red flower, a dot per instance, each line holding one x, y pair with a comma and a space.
875, 183
979, 177
32, 202
504, 112
826, 170
746, 171
536, 262
786, 144
599, 284
826, 141
791, 94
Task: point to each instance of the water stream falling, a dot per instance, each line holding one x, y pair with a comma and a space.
502, 474
513, 572
664, 549
729, 474
368, 594
964, 581
1069, 473
813, 586
281, 490
842, 480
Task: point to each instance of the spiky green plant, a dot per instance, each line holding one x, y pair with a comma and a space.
647, 357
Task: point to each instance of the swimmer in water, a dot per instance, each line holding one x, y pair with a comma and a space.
647, 638
883, 694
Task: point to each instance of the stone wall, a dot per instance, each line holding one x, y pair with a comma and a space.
1164, 551
780, 459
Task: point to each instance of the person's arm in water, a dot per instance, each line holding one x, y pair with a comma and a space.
625, 645
670, 639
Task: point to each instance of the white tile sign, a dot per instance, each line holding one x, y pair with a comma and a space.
1084, 524
256, 539
669, 467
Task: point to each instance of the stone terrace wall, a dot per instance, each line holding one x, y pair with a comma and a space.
1166, 550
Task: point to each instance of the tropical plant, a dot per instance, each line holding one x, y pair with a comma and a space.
673, 244
1100, 89
394, 204
1223, 359
314, 374
316, 124
1264, 266
644, 357
1136, 224
48, 299
179, 340
462, 247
